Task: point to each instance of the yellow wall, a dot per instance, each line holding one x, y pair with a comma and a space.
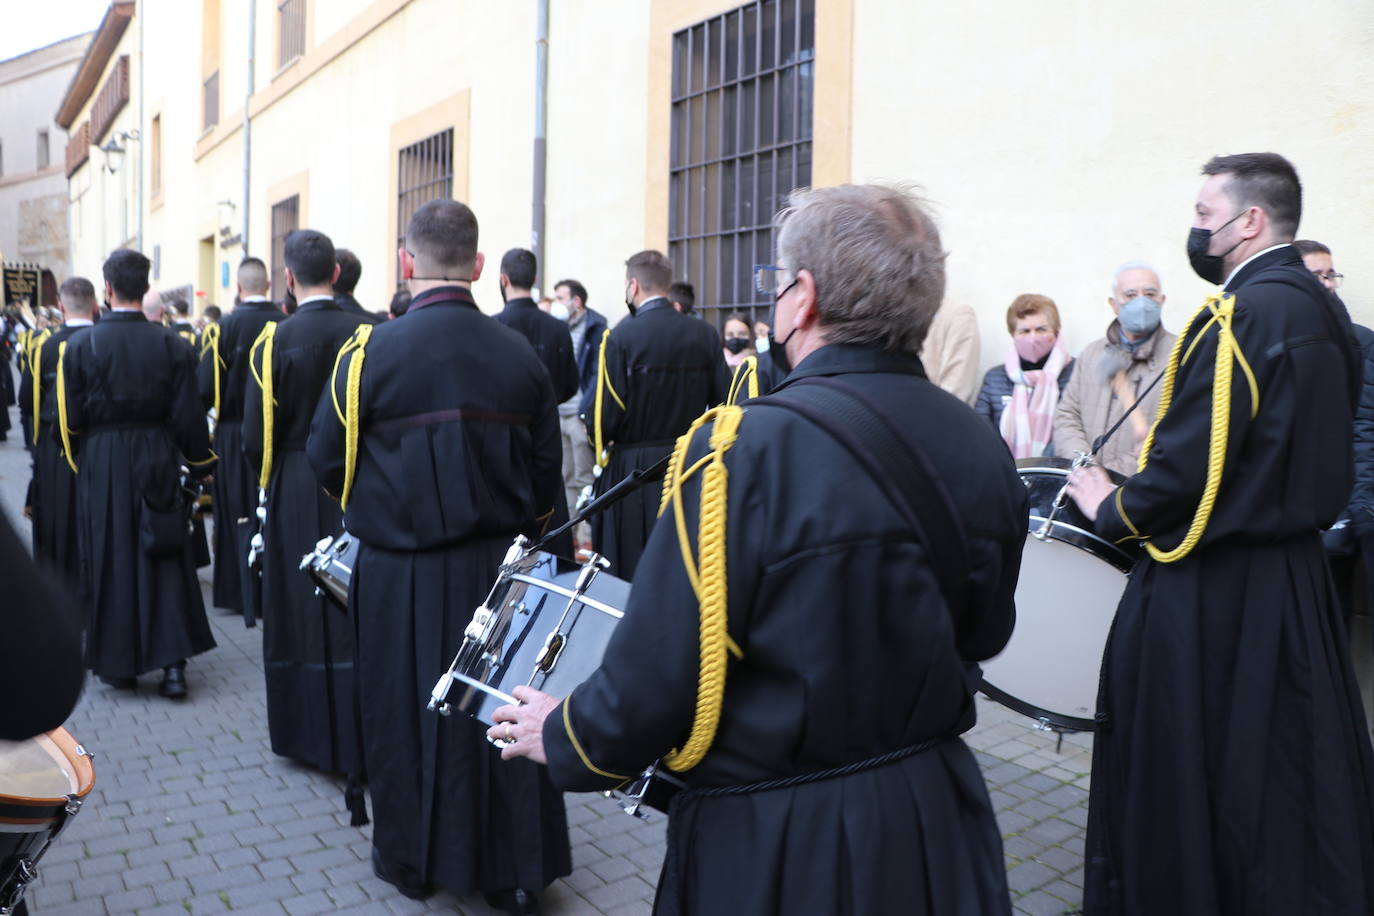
1059, 140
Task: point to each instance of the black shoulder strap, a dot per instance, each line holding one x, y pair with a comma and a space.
899, 466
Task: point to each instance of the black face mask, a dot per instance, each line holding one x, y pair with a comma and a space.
1209, 266
736, 344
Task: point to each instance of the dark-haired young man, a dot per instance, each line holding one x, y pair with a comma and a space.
456, 432
56, 545
307, 648
132, 419
658, 371
181, 322
350, 270
683, 296
223, 377
549, 336
1232, 769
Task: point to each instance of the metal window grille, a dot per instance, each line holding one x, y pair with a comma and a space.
424, 173
286, 218
211, 101
290, 31
743, 87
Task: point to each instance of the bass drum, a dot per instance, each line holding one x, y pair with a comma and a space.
330, 566
1071, 581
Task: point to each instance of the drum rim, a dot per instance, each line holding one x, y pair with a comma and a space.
1075, 536
22, 810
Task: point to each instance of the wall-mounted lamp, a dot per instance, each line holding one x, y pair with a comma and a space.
114, 153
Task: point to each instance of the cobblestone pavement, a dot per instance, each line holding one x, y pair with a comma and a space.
192, 813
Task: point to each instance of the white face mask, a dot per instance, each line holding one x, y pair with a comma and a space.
761, 344
559, 310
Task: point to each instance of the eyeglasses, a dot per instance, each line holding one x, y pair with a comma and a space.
1330, 277
768, 279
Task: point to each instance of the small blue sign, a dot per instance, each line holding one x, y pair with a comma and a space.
224, 274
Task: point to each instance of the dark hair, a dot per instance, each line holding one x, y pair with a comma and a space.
126, 271
213, 313
350, 269
400, 303
289, 304
575, 289
742, 319
181, 306
78, 293
443, 234
684, 295
1264, 180
310, 256
1028, 304
652, 269
1307, 246
519, 266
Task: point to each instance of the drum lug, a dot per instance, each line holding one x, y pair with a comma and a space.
548, 655
82, 752
24, 875
478, 625
73, 804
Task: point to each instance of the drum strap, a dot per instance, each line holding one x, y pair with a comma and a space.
899, 466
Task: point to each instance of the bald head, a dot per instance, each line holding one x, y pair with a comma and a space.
152, 306
252, 277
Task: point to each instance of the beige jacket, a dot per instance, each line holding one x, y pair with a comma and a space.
950, 352
1089, 406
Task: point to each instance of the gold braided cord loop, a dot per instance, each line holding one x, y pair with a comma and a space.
264, 381
35, 378
352, 407
746, 379
603, 384
709, 580
62, 406
1222, 307
210, 344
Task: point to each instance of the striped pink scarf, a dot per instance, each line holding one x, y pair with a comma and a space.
1028, 421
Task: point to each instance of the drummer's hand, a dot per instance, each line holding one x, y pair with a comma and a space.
523, 724
1088, 487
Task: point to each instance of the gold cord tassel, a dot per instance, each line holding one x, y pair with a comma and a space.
746, 379
350, 415
62, 405
603, 384
36, 379
264, 381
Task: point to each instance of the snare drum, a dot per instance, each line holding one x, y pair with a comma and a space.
545, 624
1071, 581
43, 782
330, 565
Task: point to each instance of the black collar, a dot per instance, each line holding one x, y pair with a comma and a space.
122, 315
522, 302
841, 359
1287, 256
653, 305
443, 295
318, 305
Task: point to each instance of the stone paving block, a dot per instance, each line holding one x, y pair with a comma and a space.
110, 864
49, 893
308, 881
618, 844
290, 846
299, 826
1059, 859
583, 880
147, 874
308, 904
130, 900
640, 908
1011, 821
626, 890
614, 868
1028, 876
166, 909
1039, 903
1062, 889
346, 895
1053, 831
259, 892
173, 891
1035, 809
202, 904
339, 855
265, 833
193, 866
221, 879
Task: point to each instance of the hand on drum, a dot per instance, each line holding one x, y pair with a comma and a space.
1089, 486
523, 725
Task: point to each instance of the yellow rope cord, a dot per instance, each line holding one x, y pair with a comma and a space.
210, 344
36, 378
353, 396
603, 384
708, 579
62, 405
746, 379
264, 381
1222, 307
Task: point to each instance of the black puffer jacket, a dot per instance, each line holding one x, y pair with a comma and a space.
996, 393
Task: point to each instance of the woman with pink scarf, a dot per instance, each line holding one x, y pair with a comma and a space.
1019, 397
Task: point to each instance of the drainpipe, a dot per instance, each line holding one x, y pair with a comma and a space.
247, 121
541, 122
143, 132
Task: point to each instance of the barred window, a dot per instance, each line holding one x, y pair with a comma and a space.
290, 31
286, 218
424, 173
743, 85
210, 100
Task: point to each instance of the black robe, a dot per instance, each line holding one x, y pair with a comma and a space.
53, 491
668, 369
235, 486
131, 398
550, 339
849, 652
353, 307
459, 452
1232, 769
307, 646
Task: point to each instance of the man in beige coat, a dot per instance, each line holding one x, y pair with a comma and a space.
951, 351
1114, 371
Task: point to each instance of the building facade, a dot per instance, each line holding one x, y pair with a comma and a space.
1054, 142
33, 190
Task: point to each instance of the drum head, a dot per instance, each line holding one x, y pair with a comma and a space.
44, 770
1065, 600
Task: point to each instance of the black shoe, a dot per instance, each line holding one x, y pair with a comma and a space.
120, 683
173, 685
402, 877
518, 901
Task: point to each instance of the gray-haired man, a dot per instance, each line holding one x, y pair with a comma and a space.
1114, 372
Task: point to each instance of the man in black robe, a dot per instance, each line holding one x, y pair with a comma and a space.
658, 371
850, 669
547, 335
55, 542
181, 323
223, 377
350, 271
1232, 770
307, 646
131, 417
457, 451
